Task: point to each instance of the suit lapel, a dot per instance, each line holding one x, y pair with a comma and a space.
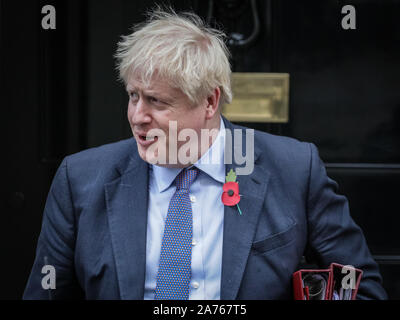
127, 203
239, 230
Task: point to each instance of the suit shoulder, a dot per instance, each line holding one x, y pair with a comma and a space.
265, 137
282, 150
288, 158
102, 157
110, 150
281, 143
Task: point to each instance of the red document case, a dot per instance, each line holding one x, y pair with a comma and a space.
327, 284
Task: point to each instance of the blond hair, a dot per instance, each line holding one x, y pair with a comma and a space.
178, 48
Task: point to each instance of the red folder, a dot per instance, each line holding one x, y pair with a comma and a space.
339, 282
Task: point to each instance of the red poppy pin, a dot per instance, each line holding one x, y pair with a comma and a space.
230, 196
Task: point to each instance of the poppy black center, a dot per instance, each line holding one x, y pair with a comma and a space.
230, 193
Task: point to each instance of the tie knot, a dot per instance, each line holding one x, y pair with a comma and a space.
186, 177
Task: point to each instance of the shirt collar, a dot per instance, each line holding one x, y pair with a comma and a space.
211, 163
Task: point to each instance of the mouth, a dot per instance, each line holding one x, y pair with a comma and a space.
145, 140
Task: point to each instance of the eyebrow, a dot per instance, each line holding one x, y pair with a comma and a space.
151, 93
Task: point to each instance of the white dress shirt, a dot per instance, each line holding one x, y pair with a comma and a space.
208, 217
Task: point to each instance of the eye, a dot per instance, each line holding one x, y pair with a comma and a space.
133, 95
154, 100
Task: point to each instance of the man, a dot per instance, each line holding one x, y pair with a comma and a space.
143, 218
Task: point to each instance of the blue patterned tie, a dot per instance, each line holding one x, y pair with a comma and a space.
174, 271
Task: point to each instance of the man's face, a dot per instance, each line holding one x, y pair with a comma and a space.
153, 107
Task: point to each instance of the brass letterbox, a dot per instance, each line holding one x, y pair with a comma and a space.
259, 97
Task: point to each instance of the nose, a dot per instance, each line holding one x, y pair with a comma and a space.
139, 113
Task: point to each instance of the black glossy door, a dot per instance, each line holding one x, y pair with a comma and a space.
41, 74
344, 97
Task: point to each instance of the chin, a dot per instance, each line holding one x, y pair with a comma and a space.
151, 159
143, 156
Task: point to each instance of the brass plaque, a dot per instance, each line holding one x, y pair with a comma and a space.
259, 97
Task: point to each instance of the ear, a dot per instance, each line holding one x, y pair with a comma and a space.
213, 104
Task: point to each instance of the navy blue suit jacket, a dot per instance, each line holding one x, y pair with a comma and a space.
94, 225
